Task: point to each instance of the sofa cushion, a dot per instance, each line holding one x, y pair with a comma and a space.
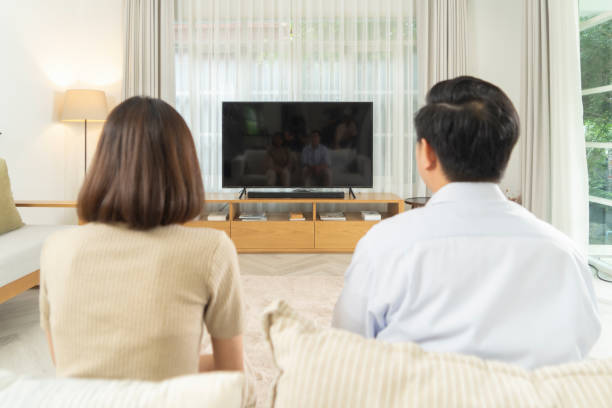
9, 216
341, 158
202, 390
255, 161
20, 250
325, 367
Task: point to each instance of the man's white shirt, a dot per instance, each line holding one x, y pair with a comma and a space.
474, 273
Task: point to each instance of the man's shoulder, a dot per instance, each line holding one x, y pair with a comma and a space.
400, 229
547, 232
424, 224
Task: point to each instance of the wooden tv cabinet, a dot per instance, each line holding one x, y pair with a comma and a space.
278, 234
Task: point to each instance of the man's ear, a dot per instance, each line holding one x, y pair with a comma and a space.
430, 160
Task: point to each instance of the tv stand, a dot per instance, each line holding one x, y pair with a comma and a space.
278, 234
352, 193
243, 192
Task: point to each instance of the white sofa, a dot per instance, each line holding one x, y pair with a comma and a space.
212, 390
20, 244
20, 258
249, 169
347, 168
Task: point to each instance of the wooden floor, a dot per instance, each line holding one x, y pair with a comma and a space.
294, 264
23, 348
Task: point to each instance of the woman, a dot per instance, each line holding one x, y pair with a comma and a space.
278, 162
128, 294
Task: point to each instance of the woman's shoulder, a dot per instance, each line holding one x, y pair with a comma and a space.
63, 243
63, 237
206, 249
164, 235
198, 239
195, 243
197, 234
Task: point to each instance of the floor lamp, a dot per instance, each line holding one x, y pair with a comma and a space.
82, 105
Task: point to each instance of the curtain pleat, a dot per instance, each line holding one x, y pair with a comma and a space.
535, 122
442, 33
554, 171
148, 69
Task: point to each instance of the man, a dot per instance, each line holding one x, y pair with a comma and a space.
316, 162
471, 272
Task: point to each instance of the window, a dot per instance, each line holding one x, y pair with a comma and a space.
298, 50
596, 68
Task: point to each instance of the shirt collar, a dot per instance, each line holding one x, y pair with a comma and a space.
467, 191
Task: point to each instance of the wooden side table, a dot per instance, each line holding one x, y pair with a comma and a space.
416, 202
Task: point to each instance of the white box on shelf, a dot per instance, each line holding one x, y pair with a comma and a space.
217, 216
332, 216
253, 216
371, 216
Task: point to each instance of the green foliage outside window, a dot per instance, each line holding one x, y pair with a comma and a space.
596, 67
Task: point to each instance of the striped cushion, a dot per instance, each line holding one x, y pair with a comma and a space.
325, 367
9, 216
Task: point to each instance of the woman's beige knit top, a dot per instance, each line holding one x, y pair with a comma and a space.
121, 303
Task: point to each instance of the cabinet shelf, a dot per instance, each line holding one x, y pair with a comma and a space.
278, 217
278, 233
356, 217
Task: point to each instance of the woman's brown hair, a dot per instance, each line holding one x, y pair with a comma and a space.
145, 172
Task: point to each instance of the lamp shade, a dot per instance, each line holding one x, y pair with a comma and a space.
84, 104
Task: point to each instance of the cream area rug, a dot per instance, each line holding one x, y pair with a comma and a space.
313, 296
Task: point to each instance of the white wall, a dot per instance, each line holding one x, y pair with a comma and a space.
50, 46
46, 48
495, 36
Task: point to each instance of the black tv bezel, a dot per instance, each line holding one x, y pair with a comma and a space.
371, 103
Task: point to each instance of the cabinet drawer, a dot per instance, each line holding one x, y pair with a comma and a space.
340, 234
273, 234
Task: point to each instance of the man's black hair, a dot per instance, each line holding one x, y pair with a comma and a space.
471, 125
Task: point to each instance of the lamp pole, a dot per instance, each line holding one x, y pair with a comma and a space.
85, 157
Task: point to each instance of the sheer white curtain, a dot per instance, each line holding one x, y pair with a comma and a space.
148, 67
300, 50
554, 177
442, 33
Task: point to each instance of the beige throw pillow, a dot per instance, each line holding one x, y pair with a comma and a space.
325, 367
9, 216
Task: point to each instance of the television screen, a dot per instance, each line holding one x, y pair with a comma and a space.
297, 144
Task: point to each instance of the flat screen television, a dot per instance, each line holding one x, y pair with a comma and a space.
297, 144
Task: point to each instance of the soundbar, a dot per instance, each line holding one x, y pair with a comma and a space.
295, 194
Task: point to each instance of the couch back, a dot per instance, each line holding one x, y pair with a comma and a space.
325, 367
